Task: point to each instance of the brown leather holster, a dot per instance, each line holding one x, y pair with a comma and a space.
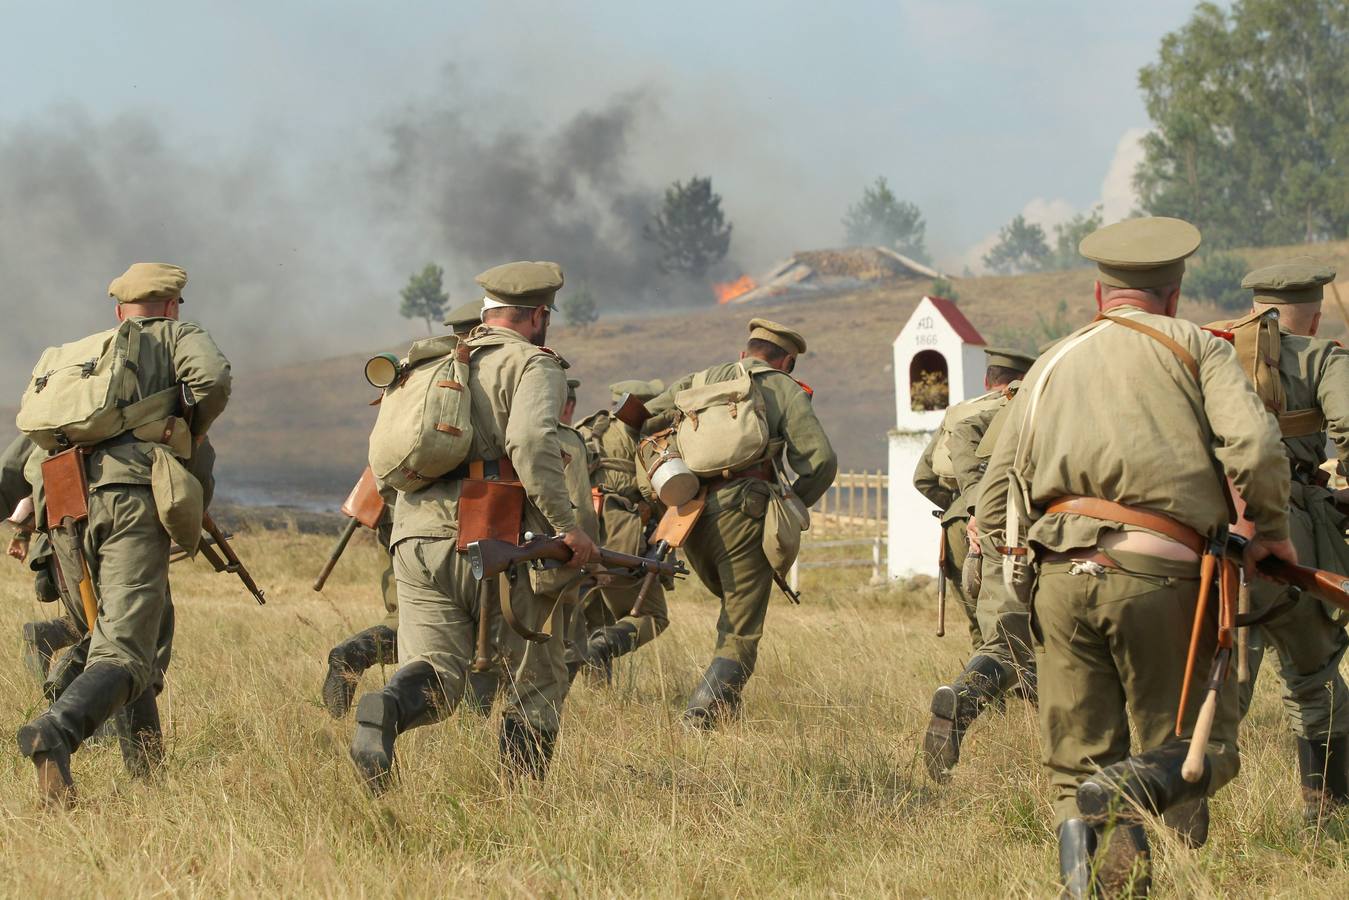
490, 509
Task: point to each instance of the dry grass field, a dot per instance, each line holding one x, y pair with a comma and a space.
816, 792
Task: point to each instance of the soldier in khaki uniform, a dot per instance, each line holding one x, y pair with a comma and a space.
551, 586
124, 543
726, 546
1120, 492
378, 644
959, 450
516, 387
1309, 398
627, 505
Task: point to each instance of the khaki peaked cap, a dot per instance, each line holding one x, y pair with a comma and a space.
774, 333
1009, 358
642, 390
1300, 280
522, 283
1141, 253
465, 317
147, 283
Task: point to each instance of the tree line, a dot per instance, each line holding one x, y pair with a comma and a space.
1249, 140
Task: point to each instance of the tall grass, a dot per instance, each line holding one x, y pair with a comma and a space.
816, 791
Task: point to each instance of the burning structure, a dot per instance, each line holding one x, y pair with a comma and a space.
812, 271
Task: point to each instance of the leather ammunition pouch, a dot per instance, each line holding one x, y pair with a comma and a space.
490, 508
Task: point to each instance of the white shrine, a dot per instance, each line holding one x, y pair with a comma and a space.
938, 344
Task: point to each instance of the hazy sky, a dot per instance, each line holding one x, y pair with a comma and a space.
974, 110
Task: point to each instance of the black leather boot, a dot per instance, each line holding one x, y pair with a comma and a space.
525, 751
51, 738
140, 736
955, 706
42, 641
480, 689
608, 644
412, 697
1150, 781
1325, 779
346, 662
1077, 844
717, 697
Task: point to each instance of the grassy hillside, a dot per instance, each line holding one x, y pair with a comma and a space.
304, 427
301, 430
817, 791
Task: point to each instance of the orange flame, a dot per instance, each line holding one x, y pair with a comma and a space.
727, 291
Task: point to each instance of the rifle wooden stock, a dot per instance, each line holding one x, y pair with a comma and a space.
1192, 770
1206, 569
631, 411
1322, 585
232, 561
338, 549
490, 558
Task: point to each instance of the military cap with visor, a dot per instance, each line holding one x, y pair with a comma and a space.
465, 317
148, 283
529, 284
642, 390
1141, 253
1009, 358
775, 333
1300, 280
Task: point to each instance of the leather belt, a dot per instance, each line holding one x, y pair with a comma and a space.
499, 469
1109, 511
761, 472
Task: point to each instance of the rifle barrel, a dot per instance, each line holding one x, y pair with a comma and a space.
338, 549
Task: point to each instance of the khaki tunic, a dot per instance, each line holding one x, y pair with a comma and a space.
1112, 641
963, 427
725, 548
625, 492
126, 547
1310, 638
517, 390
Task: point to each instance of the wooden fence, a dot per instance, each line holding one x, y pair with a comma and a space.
854, 512
856, 504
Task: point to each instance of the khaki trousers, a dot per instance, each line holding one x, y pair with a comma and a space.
1111, 650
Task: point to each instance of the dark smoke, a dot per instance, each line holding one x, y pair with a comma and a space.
81, 199
484, 198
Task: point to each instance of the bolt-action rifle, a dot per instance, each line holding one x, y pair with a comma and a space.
1221, 563
226, 560
490, 558
363, 506
668, 536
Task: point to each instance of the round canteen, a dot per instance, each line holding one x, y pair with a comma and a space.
674, 483
382, 370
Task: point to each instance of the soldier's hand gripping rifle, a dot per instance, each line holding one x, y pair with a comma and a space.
1328, 587
363, 506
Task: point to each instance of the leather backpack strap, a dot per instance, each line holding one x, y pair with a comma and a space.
1170, 343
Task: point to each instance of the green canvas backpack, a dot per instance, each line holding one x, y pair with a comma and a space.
424, 428
87, 391
722, 427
